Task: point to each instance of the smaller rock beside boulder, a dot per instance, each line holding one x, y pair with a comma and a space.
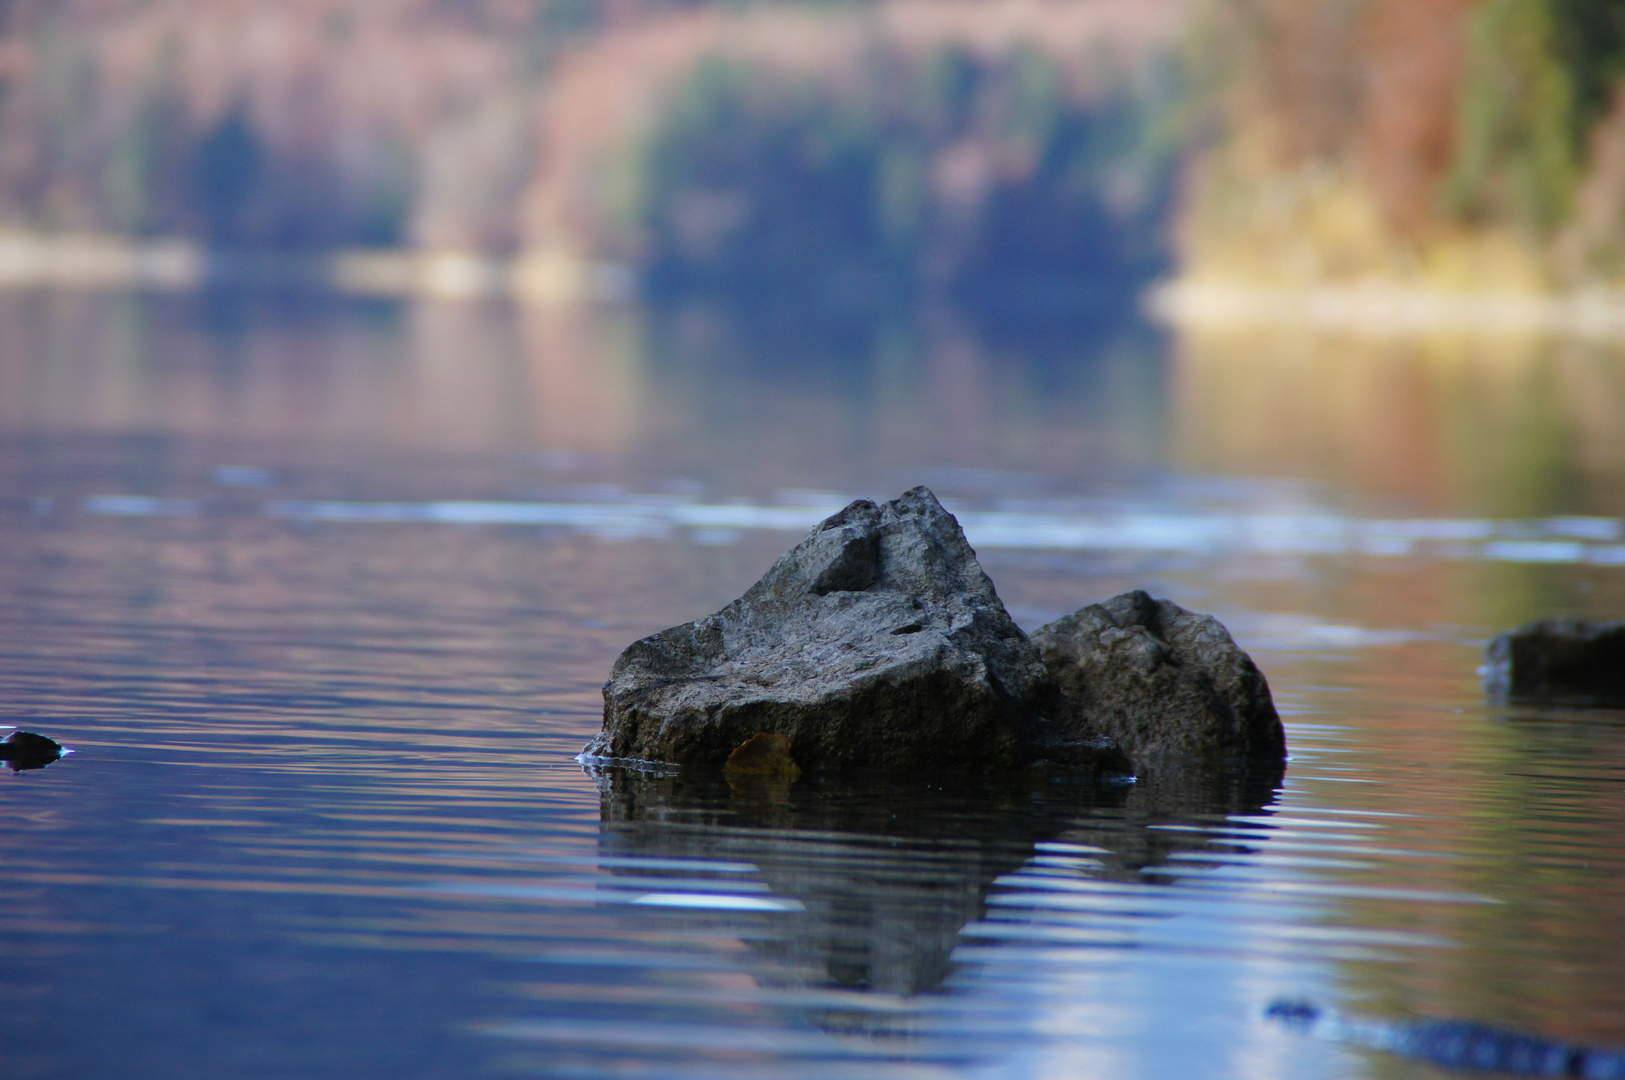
1559, 662
1163, 683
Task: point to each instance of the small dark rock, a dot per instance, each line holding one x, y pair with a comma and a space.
1559, 662
26, 750
1462, 1045
885, 872
1164, 683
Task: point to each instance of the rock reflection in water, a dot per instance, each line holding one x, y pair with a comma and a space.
887, 874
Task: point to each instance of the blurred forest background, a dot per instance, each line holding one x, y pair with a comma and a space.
861, 152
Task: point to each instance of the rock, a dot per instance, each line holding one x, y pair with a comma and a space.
879, 643
876, 642
1560, 662
1461, 1045
26, 750
1166, 684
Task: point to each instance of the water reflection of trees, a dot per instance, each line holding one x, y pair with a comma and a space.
915, 390
683, 388
889, 873
1532, 828
1518, 427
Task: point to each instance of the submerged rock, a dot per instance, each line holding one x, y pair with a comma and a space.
1463, 1045
875, 878
1164, 683
878, 642
1560, 662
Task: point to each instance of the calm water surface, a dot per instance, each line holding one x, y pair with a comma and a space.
322, 594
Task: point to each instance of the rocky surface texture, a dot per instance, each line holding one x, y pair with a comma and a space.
1166, 684
879, 643
876, 642
1561, 662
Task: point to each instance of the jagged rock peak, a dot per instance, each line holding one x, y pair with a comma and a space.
876, 642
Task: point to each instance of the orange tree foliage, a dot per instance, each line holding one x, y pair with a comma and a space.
1478, 111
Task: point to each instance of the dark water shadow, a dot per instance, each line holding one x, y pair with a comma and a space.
887, 873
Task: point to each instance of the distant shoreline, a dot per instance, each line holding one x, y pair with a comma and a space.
104, 261
1388, 310
95, 261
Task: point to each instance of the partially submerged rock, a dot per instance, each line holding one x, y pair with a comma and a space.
878, 642
1164, 683
26, 750
1559, 662
1462, 1045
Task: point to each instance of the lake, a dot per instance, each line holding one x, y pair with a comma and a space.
322, 592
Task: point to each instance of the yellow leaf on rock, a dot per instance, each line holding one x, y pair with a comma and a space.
763, 754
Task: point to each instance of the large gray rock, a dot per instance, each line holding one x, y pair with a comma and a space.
1167, 685
879, 643
1559, 662
876, 642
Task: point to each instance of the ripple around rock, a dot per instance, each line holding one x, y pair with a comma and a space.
878, 642
879, 877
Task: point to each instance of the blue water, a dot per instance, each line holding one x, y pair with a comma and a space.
322, 595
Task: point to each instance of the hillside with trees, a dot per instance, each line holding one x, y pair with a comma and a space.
1453, 143
1025, 151
886, 147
